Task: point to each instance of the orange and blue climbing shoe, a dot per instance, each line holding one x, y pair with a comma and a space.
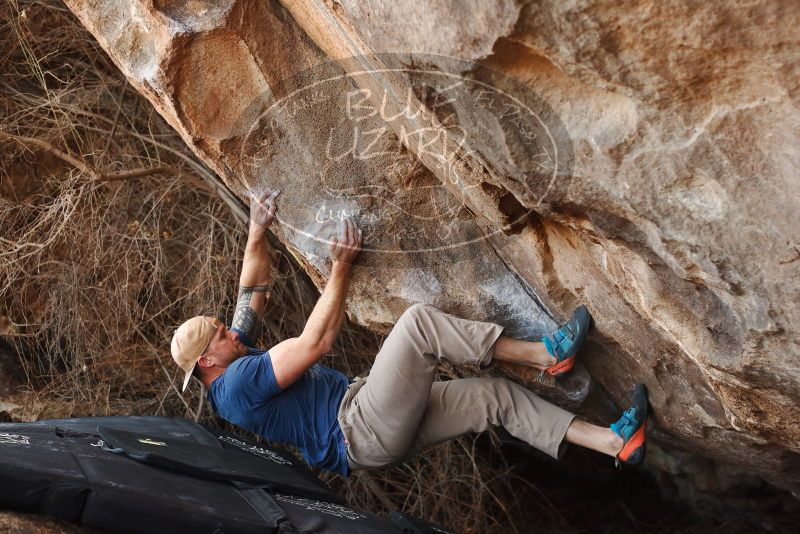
632, 427
563, 344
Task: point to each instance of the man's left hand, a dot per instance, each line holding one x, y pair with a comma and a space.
263, 206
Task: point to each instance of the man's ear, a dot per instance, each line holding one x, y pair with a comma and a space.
205, 362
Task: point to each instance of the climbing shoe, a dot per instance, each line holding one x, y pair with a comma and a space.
631, 427
563, 344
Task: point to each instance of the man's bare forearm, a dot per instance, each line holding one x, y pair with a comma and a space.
326, 318
256, 266
253, 283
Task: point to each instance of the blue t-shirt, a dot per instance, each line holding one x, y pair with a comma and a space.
304, 414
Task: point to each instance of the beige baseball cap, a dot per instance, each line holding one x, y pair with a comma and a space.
189, 342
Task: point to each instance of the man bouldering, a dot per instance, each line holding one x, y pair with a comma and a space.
397, 409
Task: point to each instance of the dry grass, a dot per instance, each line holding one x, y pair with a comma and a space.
110, 237
95, 274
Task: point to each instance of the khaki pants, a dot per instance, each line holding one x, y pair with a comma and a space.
397, 410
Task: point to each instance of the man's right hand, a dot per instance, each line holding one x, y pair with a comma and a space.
346, 247
262, 207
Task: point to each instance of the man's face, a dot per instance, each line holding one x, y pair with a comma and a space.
224, 347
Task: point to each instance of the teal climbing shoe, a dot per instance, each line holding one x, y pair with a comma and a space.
632, 428
563, 344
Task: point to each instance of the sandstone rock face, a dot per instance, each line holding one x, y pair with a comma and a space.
509, 163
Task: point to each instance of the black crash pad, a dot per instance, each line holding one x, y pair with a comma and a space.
213, 462
64, 468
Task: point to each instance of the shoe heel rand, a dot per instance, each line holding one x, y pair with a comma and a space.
636, 441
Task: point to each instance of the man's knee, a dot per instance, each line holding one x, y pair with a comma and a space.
412, 315
413, 325
416, 309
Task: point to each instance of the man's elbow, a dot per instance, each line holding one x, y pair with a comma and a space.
327, 342
317, 346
